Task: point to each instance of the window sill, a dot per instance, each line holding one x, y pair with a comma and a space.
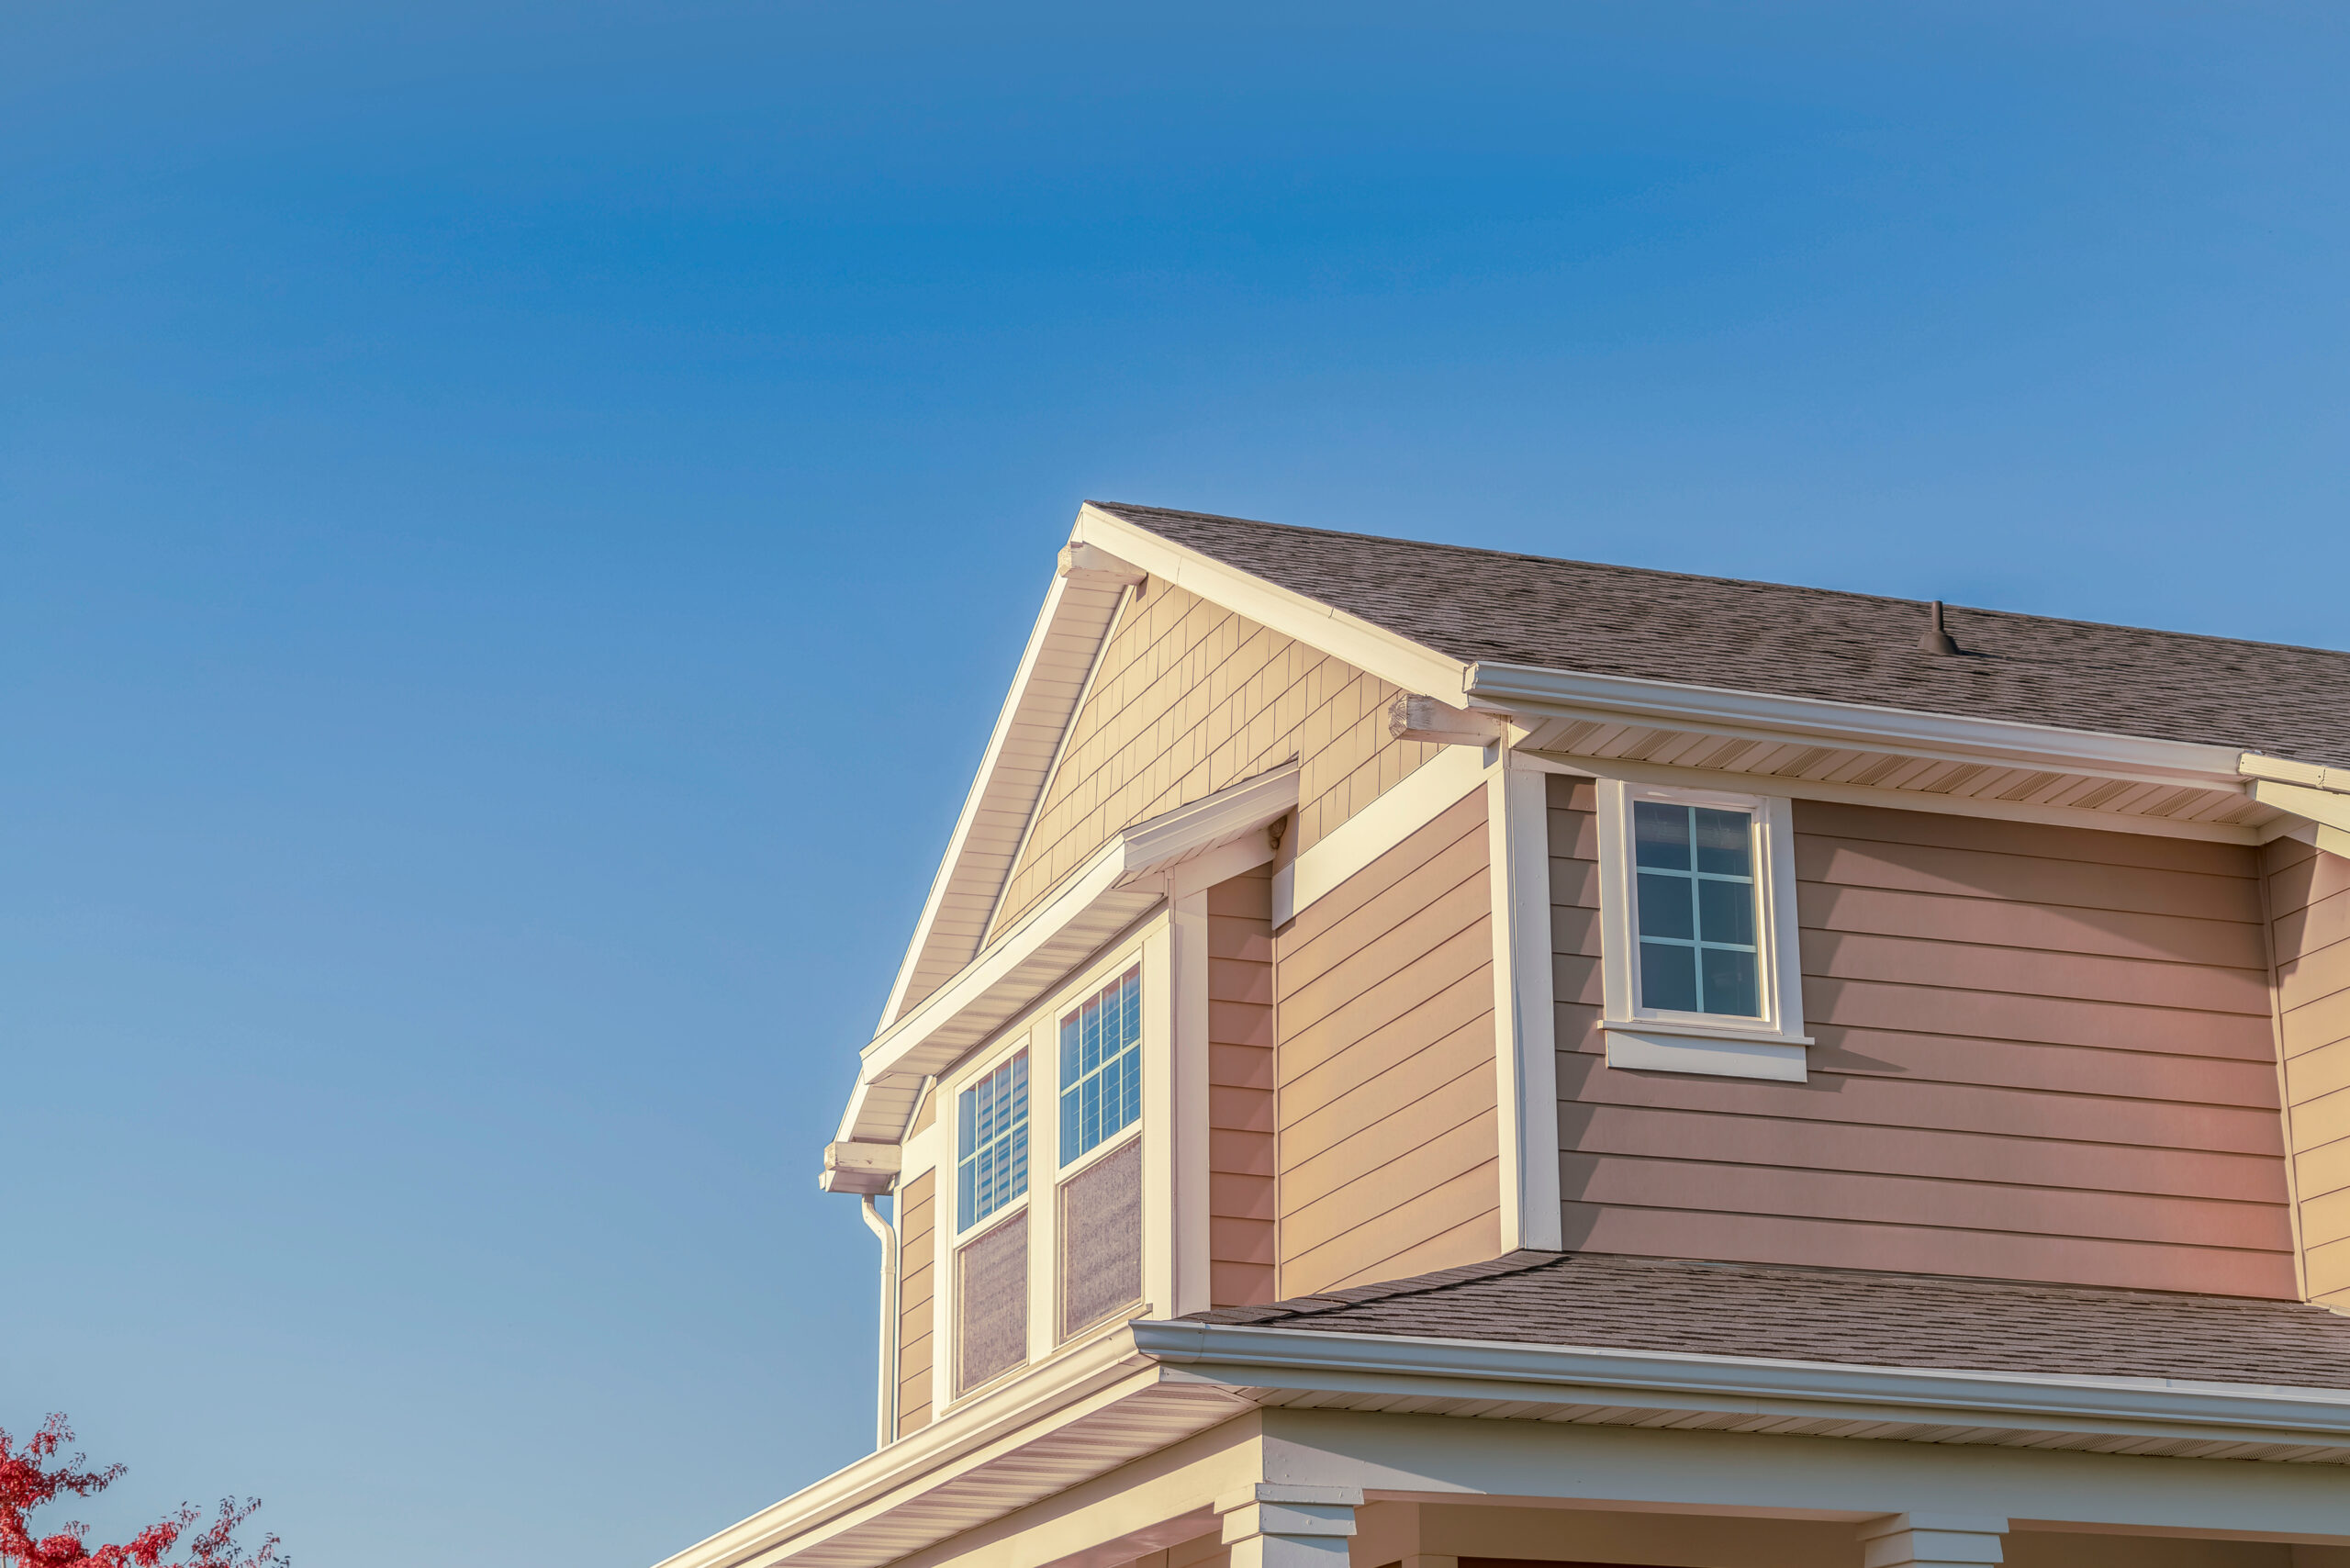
1650, 1047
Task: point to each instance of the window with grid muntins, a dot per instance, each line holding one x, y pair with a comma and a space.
991, 1142
1696, 903
1101, 1066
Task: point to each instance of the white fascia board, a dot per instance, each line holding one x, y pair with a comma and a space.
1025, 1411
1243, 1356
1115, 885
1006, 719
2284, 770
1393, 658
1939, 736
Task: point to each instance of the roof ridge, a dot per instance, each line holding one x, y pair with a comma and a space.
1847, 594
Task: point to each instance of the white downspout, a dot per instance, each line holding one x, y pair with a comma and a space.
885, 1418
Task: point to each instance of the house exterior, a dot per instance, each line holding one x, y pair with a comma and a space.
1423, 1056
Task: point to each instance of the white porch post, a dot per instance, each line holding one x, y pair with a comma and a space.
1273, 1526
1931, 1540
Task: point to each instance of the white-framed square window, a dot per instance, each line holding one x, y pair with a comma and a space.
1699, 958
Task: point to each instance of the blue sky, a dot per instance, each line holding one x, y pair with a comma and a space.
517, 519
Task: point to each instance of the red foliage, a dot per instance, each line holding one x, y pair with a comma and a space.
42, 1472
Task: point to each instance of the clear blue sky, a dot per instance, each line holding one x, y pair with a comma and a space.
517, 519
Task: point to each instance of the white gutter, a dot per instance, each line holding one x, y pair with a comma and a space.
1617, 698
886, 1406
1295, 1358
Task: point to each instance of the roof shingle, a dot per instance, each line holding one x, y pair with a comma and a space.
1782, 1312
1796, 641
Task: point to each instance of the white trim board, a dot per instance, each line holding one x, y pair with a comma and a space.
1416, 799
1392, 657
1052, 674
1517, 822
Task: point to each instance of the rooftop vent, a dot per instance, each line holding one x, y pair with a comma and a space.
1934, 639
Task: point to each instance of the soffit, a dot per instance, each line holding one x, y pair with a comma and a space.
2212, 810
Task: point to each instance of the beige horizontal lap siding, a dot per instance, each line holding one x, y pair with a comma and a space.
1388, 1132
1240, 1090
2309, 911
1188, 700
917, 1274
2041, 1053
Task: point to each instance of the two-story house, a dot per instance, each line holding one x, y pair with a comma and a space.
1418, 1056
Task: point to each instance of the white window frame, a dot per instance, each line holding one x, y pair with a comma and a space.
1657, 1040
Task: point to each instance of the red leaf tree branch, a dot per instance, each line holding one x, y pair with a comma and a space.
42, 1472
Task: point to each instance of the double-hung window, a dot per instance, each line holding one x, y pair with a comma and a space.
1698, 932
992, 1267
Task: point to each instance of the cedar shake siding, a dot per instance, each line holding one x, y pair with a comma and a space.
1389, 1139
2042, 1054
2309, 913
1240, 1090
917, 1257
1190, 697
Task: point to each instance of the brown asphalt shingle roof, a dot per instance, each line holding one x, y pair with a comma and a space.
1796, 641
1779, 1313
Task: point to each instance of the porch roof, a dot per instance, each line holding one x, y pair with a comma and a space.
1849, 1316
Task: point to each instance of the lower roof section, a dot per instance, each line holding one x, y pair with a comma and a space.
1685, 1306
1553, 1340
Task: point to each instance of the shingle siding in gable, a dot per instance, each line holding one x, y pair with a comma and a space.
2043, 1053
1191, 697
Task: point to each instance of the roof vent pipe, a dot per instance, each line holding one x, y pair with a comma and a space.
1934, 639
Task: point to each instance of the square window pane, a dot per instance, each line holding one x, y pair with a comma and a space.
1668, 977
1724, 843
1730, 982
1664, 906
1660, 835
1725, 912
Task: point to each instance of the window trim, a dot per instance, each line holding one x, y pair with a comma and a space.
1721, 1044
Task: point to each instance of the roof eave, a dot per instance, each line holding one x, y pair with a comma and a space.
1532, 690
1253, 1357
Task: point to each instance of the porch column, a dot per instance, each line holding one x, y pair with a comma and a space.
1270, 1525
1930, 1540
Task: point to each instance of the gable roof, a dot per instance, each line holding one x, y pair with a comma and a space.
1491, 605
1841, 1315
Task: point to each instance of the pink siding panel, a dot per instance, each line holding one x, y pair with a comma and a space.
2043, 1053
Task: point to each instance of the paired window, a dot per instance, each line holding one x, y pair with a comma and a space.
1094, 1234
